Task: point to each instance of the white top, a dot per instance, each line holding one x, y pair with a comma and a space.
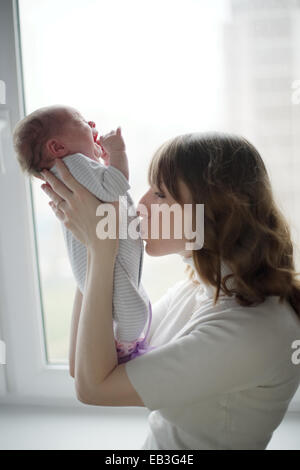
221, 376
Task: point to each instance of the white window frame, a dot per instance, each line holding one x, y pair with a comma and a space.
26, 377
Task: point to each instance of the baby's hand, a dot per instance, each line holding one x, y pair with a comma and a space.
113, 142
98, 152
114, 150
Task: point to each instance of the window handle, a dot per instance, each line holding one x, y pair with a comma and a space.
3, 124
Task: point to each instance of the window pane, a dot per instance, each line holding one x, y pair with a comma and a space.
56, 279
262, 92
160, 69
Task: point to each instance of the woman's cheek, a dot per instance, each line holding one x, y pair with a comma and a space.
163, 224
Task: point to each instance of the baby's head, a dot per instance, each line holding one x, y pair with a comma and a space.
53, 132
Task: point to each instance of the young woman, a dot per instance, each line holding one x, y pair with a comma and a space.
223, 371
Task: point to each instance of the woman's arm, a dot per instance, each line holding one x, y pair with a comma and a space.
74, 328
96, 355
99, 380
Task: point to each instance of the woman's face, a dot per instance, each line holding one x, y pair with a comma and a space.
159, 227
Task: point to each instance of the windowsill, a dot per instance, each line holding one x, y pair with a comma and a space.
24, 427
92, 428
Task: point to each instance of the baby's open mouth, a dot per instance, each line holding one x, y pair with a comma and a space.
95, 135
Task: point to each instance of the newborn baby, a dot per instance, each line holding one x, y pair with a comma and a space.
61, 132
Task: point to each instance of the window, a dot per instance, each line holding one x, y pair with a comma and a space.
155, 88
179, 66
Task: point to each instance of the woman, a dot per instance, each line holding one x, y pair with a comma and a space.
221, 373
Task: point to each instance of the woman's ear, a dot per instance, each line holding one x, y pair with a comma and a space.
56, 148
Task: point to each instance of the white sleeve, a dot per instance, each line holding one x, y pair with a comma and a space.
106, 183
219, 356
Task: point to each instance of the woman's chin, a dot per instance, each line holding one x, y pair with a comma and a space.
151, 250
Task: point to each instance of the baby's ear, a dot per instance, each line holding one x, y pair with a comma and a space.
56, 148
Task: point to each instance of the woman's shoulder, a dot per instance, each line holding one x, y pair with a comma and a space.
269, 327
172, 293
185, 285
180, 285
182, 290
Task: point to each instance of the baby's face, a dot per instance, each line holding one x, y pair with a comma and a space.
79, 137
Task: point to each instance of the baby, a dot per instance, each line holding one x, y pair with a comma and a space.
61, 132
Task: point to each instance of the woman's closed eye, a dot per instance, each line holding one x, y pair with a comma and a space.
161, 196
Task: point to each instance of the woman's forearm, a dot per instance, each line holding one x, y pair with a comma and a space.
74, 328
96, 354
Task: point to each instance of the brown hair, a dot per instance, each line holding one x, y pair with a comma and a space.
31, 134
243, 226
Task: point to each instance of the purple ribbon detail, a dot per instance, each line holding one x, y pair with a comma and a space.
142, 346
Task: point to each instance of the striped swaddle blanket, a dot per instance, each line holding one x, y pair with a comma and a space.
130, 301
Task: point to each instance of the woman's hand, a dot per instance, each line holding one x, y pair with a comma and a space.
76, 207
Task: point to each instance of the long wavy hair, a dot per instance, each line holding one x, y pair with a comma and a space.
243, 226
